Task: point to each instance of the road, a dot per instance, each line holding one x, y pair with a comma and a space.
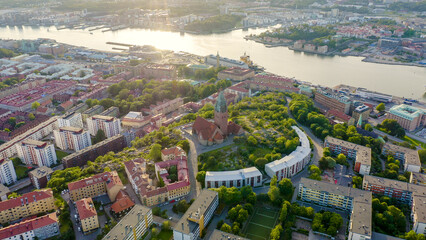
192, 166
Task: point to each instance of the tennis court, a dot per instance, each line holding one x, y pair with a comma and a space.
261, 223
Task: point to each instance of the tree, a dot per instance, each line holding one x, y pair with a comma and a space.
368, 127
286, 187
276, 232
155, 152
12, 121
252, 141
31, 116
381, 107
260, 163
236, 228
357, 181
392, 127
326, 152
226, 228
422, 155
166, 225
35, 105
100, 136
219, 224
184, 144
155, 231
412, 235
201, 177
13, 195
274, 194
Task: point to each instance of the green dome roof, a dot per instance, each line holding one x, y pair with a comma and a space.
221, 103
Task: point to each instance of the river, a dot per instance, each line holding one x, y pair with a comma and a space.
403, 81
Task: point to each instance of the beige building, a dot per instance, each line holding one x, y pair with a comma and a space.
97, 185
29, 204
409, 157
410, 118
418, 178
418, 214
236, 74
87, 215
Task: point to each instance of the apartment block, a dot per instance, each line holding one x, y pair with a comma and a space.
238, 178
97, 109
7, 172
100, 184
111, 112
72, 138
418, 178
293, 163
171, 153
71, 120
409, 117
165, 107
90, 153
236, 74
4, 191
110, 125
87, 214
40, 176
355, 201
220, 235
33, 152
361, 154
409, 157
132, 226
418, 214
362, 111
332, 100
28, 204
43, 227
196, 218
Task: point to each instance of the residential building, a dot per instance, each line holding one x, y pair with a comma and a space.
220, 235
362, 111
179, 187
110, 125
7, 172
353, 200
293, 163
409, 157
266, 78
40, 176
380, 97
418, 214
166, 107
72, 138
332, 100
111, 112
28, 204
4, 191
43, 227
79, 108
196, 218
95, 110
90, 153
402, 191
238, 178
418, 178
171, 153
122, 205
33, 152
409, 117
71, 120
135, 120
132, 226
361, 154
87, 214
159, 71
100, 184
236, 74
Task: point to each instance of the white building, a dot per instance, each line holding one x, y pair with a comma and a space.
33, 152
293, 163
110, 125
72, 138
196, 218
71, 120
238, 178
7, 172
380, 97
43, 227
418, 214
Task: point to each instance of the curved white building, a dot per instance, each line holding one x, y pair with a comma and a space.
293, 163
238, 178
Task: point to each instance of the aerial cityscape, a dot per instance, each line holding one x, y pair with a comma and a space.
215, 120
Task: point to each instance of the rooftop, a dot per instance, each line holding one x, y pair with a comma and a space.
363, 154
29, 225
419, 206
110, 178
407, 112
231, 175
236, 71
219, 235
41, 172
417, 190
85, 208
4, 190
410, 156
418, 178
33, 142
71, 129
26, 199
127, 223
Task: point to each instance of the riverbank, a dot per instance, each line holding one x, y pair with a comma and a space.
381, 61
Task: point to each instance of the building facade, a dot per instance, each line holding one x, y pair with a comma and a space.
409, 117
238, 178
87, 214
72, 138
332, 100
38, 153
198, 215
43, 227
28, 204
7, 172
110, 125
40, 176
71, 120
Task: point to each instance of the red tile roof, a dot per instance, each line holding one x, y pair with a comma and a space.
122, 204
85, 208
174, 150
177, 185
66, 105
28, 225
207, 130
27, 198
111, 178
339, 114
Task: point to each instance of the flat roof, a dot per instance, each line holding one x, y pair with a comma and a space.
41, 172
363, 154
197, 209
133, 217
419, 177
417, 190
407, 112
232, 175
219, 235
419, 205
411, 156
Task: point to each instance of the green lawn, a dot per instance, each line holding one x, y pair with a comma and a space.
20, 171
60, 154
415, 142
64, 228
123, 177
165, 235
261, 223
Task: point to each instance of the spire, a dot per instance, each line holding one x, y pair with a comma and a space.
359, 124
221, 103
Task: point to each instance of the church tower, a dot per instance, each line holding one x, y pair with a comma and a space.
221, 113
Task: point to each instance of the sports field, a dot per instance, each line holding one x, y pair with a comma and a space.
261, 223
